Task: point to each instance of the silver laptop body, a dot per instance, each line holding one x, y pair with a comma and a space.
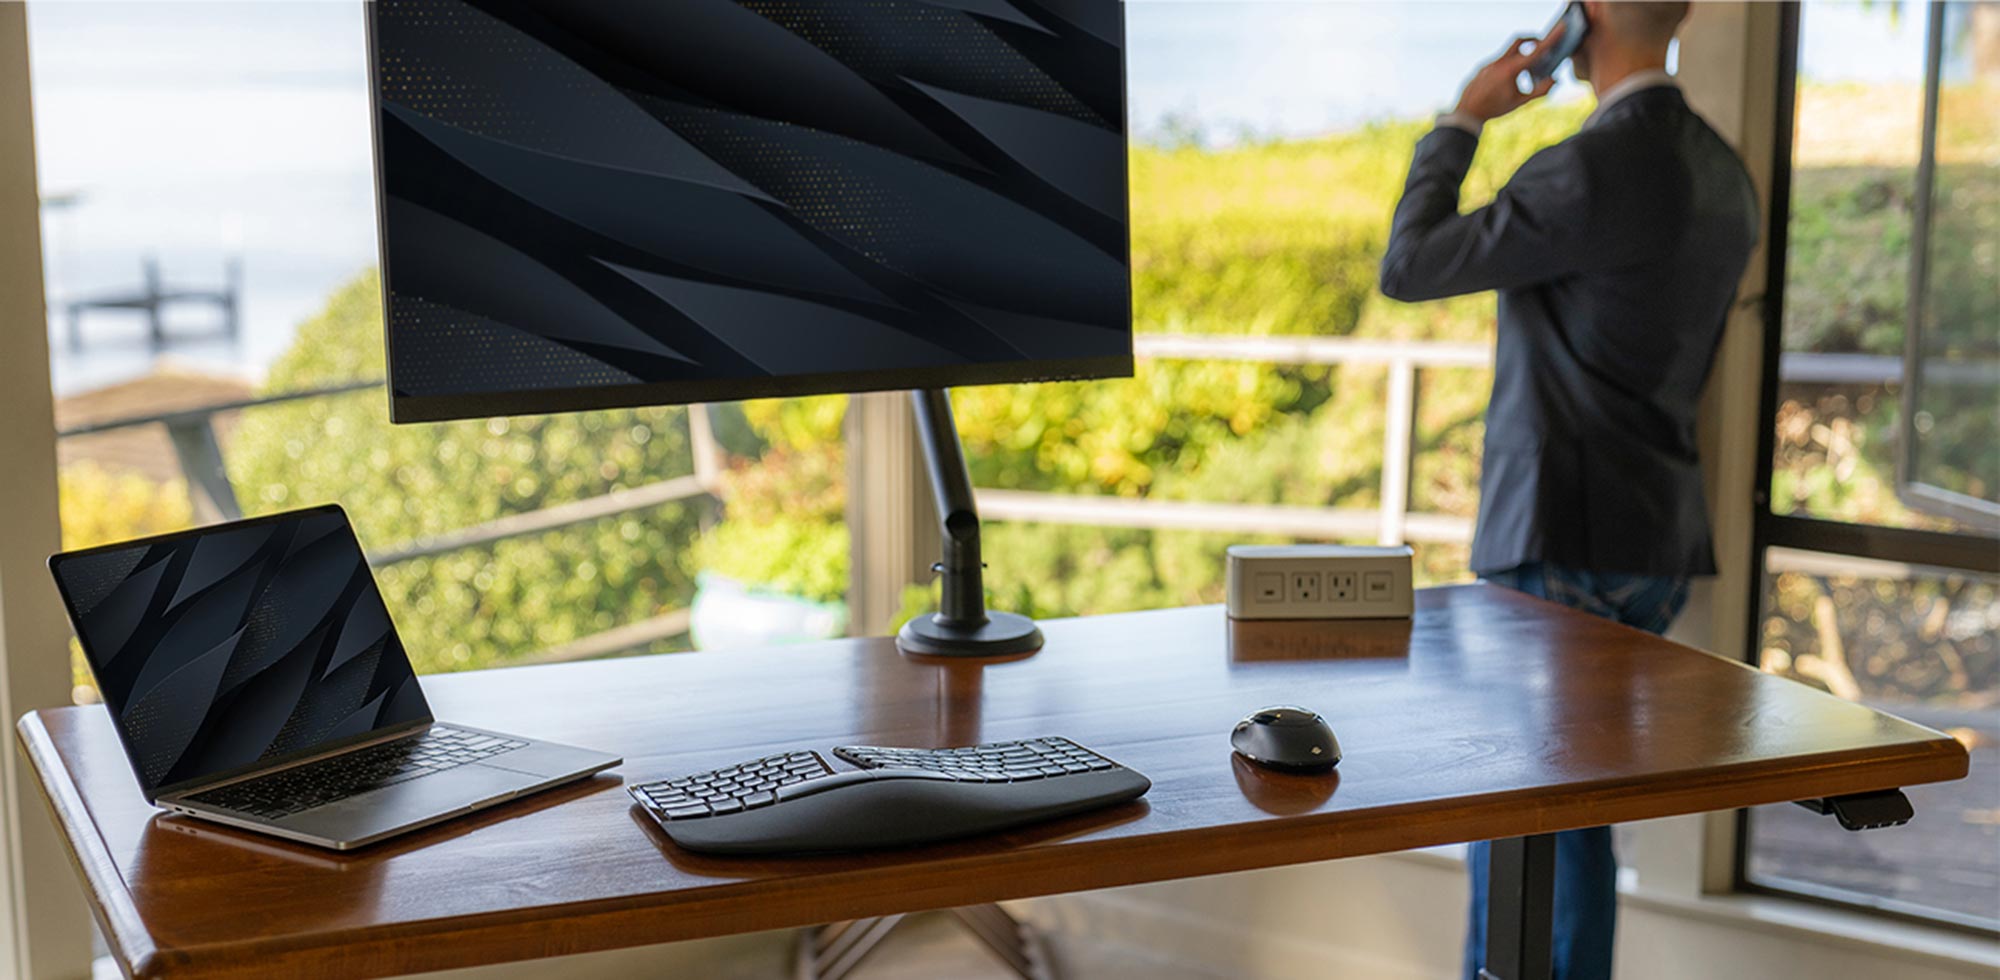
256, 681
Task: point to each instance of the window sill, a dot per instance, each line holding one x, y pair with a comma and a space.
1818, 924
1825, 926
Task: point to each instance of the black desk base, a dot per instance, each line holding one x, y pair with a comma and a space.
1520, 909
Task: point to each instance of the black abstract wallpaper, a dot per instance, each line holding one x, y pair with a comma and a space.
241, 644
588, 194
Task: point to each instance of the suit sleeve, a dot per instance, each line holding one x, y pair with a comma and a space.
1540, 227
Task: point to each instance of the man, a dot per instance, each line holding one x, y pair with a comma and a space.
1616, 254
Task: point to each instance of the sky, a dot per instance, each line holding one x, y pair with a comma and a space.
195, 130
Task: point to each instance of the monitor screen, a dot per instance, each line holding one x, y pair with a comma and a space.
236, 645
600, 203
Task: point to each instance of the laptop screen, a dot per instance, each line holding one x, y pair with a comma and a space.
238, 645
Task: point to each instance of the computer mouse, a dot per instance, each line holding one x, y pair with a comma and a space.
1287, 737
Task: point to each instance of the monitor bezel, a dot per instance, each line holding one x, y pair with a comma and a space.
406, 409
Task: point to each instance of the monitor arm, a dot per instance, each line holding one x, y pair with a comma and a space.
962, 626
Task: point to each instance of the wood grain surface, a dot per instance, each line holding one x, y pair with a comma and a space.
1491, 715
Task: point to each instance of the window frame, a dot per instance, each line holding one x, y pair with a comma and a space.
1916, 494
1963, 552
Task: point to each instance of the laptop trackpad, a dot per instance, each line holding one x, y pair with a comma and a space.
424, 798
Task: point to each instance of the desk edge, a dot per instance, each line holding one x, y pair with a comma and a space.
106, 894
521, 934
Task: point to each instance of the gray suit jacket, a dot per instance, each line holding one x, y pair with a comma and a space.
1616, 254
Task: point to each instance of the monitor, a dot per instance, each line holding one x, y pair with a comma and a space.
604, 203
601, 203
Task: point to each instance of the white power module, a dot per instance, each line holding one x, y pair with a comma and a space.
1319, 581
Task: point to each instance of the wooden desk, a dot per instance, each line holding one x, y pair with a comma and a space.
1493, 716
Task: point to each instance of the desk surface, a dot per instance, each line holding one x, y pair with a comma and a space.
1492, 715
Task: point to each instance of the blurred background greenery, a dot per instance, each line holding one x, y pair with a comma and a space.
1274, 237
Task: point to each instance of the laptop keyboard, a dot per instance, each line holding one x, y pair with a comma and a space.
290, 791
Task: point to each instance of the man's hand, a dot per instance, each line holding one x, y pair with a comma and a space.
1493, 92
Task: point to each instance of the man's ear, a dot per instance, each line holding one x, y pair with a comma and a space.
1593, 11
1594, 38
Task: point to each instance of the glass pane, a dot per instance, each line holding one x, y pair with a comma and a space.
1922, 645
1271, 145
1956, 422
1858, 135
217, 156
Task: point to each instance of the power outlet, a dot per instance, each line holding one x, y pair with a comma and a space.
1319, 582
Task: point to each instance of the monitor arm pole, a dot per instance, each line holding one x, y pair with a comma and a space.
962, 626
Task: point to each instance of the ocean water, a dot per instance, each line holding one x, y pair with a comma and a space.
197, 130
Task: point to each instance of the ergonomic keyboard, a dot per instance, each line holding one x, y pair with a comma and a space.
289, 791
796, 803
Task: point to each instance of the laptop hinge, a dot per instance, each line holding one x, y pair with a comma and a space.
386, 735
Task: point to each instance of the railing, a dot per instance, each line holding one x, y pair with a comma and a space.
1391, 522
198, 452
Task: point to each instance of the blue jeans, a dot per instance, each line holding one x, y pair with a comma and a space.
1586, 900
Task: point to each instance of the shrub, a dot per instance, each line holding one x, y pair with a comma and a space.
99, 506
1266, 238
482, 606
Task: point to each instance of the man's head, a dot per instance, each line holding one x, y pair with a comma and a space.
1625, 37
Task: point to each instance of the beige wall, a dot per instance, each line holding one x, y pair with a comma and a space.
44, 930
1402, 918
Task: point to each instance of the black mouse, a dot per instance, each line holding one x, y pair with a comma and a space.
1287, 737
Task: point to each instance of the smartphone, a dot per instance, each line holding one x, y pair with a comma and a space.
1575, 25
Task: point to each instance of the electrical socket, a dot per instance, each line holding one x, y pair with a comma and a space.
1320, 582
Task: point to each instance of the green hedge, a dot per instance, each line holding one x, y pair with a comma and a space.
477, 606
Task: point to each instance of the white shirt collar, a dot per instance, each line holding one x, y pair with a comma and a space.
1636, 82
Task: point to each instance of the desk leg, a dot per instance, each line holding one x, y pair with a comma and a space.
831, 952
1520, 909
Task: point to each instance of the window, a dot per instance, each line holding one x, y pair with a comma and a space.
1950, 459
1879, 566
1271, 141
208, 209
221, 153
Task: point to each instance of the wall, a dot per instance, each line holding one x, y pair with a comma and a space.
44, 931
1402, 917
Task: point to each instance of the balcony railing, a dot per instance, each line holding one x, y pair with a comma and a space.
198, 453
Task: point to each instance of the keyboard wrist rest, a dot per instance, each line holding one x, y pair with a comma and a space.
869, 813
813, 787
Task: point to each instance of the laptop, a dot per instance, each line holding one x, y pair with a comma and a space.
255, 679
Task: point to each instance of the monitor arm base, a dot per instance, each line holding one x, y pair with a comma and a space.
1003, 634
962, 626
